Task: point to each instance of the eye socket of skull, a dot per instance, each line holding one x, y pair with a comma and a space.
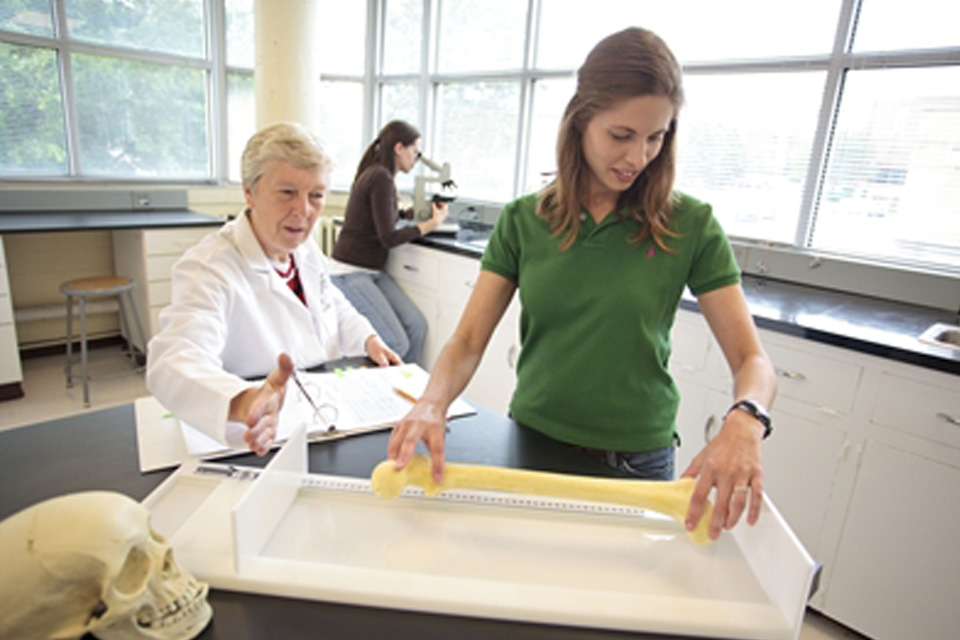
133, 576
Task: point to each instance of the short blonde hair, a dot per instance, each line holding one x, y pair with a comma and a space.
287, 141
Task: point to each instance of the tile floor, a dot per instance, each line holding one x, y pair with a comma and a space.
47, 398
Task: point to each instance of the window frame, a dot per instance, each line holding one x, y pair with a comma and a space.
212, 64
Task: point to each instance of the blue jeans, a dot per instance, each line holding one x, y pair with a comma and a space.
378, 298
656, 464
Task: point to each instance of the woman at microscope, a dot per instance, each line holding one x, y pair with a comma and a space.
370, 231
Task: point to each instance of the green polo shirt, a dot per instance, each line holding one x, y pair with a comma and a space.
596, 319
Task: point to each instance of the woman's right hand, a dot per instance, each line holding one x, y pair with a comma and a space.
427, 421
438, 213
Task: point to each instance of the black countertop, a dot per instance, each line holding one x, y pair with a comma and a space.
868, 325
46, 221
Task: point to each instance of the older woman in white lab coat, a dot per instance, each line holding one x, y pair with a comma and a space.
248, 297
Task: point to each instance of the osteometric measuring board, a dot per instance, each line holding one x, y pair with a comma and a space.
283, 531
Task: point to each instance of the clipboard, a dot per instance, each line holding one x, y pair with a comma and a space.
363, 400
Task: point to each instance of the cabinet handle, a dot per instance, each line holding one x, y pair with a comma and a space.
468, 284
946, 417
512, 356
410, 267
708, 428
791, 375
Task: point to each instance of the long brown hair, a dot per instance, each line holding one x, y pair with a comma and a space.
380, 150
627, 64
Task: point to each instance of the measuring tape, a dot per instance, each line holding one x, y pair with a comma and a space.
468, 496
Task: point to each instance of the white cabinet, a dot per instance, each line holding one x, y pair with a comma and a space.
148, 256
440, 284
809, 440
10, 371
897, 570
864, 464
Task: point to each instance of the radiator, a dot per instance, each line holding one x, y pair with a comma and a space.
329, 230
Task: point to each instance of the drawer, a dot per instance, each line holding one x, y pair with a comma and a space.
160, 267
918, 408
159, 292
6, 309
457, 279
173, 241
815, 378
416, 266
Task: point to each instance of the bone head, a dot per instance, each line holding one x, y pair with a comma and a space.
387, 482
89, 562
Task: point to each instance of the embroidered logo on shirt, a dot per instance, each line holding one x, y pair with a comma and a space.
651, 251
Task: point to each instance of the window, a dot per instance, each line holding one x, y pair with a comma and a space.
137, 75
830, 126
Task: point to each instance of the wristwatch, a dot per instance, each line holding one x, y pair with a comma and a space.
756, 410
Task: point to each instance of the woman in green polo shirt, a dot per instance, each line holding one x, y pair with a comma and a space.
600, 258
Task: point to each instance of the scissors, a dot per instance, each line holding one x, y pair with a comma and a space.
318, 410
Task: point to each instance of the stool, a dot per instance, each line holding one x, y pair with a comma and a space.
84, 288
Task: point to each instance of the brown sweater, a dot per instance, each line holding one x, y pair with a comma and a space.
370, 223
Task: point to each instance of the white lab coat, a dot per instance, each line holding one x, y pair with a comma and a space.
231, 315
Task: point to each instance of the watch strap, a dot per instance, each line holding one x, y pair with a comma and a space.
755, 409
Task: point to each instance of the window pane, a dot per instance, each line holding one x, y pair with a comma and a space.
240, 33
402, 39
744, 147
736, 29
477, 134
481, 35
343, 45
241, 119
892, 187
919, 24
140, 119
166, 26
400, 101
550, 98
27, 16
341, 127
32, 139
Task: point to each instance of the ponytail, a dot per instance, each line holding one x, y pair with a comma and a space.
380, 150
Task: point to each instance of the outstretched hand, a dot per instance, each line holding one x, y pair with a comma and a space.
259, 407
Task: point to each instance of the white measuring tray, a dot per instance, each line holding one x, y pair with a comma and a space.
282, 531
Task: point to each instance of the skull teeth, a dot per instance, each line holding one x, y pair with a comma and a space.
183, 607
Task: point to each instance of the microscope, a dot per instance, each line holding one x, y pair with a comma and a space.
447, 193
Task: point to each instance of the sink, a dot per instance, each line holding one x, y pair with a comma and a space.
943, 335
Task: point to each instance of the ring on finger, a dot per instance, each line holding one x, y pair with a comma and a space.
743, 488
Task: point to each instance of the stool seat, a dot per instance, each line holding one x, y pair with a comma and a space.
99, 286
103, 285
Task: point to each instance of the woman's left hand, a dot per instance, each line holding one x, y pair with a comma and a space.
732, 463
380, 353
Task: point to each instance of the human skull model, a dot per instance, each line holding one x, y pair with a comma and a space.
89, 562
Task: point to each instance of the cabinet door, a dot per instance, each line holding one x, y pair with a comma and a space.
897, 570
